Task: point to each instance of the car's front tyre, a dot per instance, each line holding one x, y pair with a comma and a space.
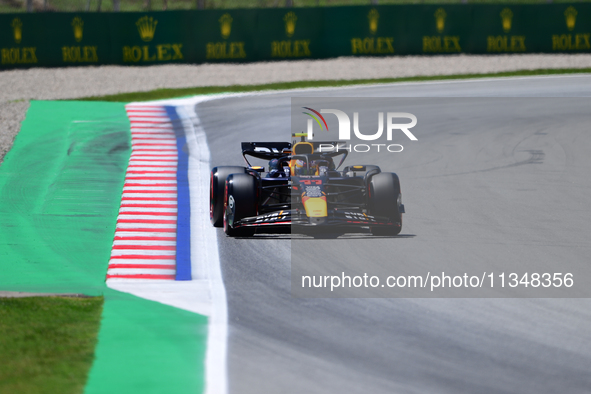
217, 184
385, 201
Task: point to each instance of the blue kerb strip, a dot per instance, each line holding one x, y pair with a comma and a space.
183, 226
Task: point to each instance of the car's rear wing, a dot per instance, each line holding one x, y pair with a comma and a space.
276, 150
266, 150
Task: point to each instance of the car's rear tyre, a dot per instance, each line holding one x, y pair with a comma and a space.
385, 200
217, 185
240, 201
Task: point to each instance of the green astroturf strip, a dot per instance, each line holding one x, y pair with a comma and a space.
60, 190
148, 348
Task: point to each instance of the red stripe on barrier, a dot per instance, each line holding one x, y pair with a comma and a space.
135, 183
140, 118
148, 199
149, 166
151, 160
155, 114
136, 107
145, 247
151, 184
151, 172
171, 206
148, 118
151, 114
150, 125
166, 142
141, 276
136, 140
154, 110
146, 221
163, 129
147, 125
168, 157
166, 134
149, 213
152, 150
148, 144
139, 238
143, 256
169, 133
154, 156
146, 175
148, 137
163, 134
160, 178
141, 124
150, 191
146, 230
140, 139
155, 175
148, 121
153, 130
142, 108
147, 114
148, 184
148, 266
133, 149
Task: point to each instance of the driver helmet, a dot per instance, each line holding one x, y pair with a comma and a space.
274, 165
275, 169
299, 167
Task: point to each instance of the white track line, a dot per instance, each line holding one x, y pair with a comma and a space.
205, 250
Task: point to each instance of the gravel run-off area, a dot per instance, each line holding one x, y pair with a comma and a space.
17, 87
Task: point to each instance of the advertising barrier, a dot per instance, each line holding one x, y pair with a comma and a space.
65, 39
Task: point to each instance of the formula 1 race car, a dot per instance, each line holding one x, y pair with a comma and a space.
304, 191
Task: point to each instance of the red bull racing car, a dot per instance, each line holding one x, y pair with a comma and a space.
304, 191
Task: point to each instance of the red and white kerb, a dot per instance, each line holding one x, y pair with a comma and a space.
145, 239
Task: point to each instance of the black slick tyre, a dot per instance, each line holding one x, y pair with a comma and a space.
240, 201
217, 185
385, 201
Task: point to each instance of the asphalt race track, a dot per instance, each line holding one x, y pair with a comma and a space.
515, 193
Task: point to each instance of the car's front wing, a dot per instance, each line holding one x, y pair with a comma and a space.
298, 218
